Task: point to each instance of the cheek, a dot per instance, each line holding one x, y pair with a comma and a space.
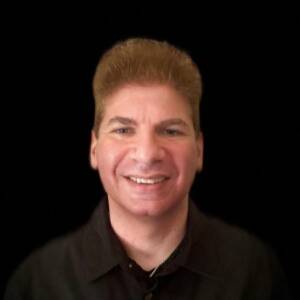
186, 160
109, 156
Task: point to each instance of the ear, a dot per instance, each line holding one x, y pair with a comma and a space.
200, 151
93, 147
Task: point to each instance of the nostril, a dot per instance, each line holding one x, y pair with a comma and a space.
148, 154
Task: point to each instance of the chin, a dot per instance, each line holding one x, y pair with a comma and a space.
153, 208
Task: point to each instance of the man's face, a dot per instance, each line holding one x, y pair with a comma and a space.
147, 152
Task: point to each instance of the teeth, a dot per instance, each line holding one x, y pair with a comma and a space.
147, 180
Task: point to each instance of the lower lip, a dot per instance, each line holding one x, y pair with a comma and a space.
146, 187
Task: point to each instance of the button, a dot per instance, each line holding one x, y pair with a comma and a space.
130, 266
148, 296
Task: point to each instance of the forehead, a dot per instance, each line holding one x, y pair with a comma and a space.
148, 102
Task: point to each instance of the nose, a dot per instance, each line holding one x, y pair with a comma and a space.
147, 149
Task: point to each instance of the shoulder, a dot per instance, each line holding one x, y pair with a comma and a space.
53, 262
233, 237
219, 236
239, 258
238, 245
254, 262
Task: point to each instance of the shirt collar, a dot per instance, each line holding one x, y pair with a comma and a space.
102, 250
203, 245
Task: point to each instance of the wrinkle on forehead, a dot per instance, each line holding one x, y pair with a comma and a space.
147, 104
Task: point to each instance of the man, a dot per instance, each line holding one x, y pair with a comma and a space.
147, 240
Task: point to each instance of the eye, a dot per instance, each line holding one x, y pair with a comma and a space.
123, 130
172, 132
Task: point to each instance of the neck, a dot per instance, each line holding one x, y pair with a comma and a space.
149, 240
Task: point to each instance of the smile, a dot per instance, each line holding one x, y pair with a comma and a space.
141, 180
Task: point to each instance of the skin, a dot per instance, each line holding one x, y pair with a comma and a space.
147, 132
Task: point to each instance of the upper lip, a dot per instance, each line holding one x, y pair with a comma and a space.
148, 176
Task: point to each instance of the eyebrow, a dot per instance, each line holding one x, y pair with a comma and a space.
129, 121
122, 120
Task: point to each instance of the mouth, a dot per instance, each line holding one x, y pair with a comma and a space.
147, 181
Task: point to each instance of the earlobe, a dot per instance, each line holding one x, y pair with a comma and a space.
93, 157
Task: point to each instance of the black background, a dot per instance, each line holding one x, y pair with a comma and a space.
249, 117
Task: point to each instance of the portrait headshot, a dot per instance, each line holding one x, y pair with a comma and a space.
152, 176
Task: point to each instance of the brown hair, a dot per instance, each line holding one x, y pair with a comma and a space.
146, 61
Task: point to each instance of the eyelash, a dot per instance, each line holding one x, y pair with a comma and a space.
123, 130
128, 130
172, 132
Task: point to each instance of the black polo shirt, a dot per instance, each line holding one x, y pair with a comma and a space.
214, 261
